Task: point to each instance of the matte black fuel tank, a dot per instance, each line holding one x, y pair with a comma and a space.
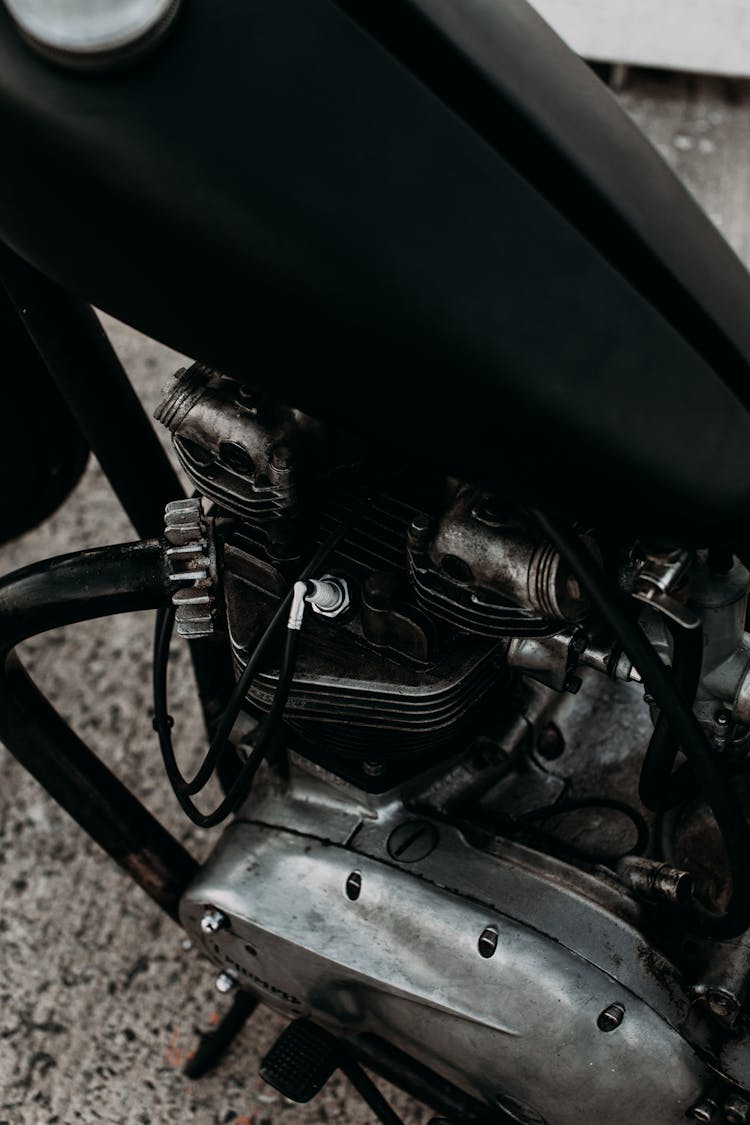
425, 219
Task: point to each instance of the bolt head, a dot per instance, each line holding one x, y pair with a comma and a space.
722, 719
353, 886
723, 1005
737, 1110
487, 943
413, 840
706, 1111
213, 920
611, 1018
225, 982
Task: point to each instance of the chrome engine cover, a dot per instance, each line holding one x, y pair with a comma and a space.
326, 917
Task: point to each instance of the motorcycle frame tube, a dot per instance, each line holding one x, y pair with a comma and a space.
99, 583
45, 596
83, 365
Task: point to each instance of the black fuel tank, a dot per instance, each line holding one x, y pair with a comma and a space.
424, 219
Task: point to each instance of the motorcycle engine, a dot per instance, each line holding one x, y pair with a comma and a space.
449, 851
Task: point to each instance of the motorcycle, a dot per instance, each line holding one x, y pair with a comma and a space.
464, 576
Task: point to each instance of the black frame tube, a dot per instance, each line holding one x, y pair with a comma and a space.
59, 592
76, 350
84, 366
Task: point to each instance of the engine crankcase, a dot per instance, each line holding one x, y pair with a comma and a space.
493, 970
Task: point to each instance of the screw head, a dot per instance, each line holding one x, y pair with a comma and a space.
722, 718
353, 886
611, 1018
213, 920
487, 943
413, 840
225, 982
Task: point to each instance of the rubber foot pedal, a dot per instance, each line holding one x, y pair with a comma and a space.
301, 1061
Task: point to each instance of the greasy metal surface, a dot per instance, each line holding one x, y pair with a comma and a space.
402, 960
595, 918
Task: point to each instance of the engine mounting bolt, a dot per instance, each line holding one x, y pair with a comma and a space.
413, 840
225, 982
722, 718
736, 1110
213, 920
487, 943
706, 1110
611, 1018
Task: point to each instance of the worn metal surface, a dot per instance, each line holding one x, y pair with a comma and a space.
400, 959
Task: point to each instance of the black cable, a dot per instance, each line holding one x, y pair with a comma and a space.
657, 788
687, 731
163, 723
573, 805
241, 787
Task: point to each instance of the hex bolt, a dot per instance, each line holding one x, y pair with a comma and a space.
611, 1018
225, 982
706, 1110
413, 840
213, 920
722, 718
487, 943
736, 1110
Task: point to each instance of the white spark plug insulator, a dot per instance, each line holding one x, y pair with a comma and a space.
328, 595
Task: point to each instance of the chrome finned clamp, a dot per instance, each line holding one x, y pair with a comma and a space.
192, 566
